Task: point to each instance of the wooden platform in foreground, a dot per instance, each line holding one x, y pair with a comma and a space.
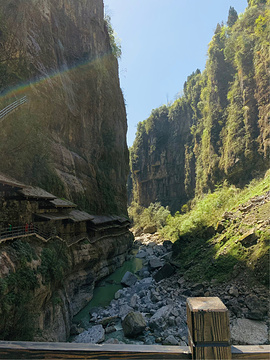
41, 350
209, 338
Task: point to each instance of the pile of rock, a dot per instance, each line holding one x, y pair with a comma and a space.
151, 308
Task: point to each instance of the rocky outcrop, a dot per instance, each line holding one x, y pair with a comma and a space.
70, 136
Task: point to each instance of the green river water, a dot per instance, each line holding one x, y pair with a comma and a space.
106, 288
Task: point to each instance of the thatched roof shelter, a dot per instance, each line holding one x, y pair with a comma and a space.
60, 203
9, 182
31, 192
77, 216
53, 216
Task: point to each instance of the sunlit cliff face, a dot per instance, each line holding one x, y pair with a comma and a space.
70, 137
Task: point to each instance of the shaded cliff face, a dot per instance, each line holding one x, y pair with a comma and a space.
218, 129
69, 138
44, 284
158, 163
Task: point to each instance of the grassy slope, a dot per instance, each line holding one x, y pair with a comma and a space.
225, 233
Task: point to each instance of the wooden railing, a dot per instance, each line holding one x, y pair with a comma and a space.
25, 230
209, 338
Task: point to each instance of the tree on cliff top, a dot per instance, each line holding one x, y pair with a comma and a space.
233, 17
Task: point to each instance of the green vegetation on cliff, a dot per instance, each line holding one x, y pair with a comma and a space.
19, 288
219, 234
219, 129
202, 156
226, 232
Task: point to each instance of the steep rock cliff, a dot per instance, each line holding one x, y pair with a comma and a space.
69, 137
158, 163
219, 128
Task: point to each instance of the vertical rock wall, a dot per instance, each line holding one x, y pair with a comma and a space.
70, 137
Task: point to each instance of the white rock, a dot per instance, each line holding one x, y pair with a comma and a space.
93, 335
245, 331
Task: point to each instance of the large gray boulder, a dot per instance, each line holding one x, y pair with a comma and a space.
129, 279
159, 319
250, 332
133, 324
93, 335
166, 271
155, 263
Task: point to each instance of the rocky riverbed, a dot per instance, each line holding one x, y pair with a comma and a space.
151, 308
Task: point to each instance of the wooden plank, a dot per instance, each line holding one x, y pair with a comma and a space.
35, 350
209, 329
30, 350
251, 352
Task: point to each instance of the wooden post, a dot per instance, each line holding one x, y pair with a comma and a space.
209, 328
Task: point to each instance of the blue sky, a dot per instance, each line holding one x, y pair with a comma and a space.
163, 42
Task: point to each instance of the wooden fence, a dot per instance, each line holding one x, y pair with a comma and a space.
209, 338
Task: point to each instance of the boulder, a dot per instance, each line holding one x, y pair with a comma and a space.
245, 331
234, 306
75, 330
118, 294
129, 279
93, 335
249, 238
108, 320
141, 254
155, 263
133, 324
134, 300
124, 310
158, 320
150, 229
168, 245
255, 315
221, 225
110, 329
197, 290
170, 340
166, 271
233, 291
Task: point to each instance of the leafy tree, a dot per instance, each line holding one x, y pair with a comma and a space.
114, 41
233, 17
256, 2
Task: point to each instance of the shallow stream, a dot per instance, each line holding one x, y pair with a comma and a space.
104, 291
